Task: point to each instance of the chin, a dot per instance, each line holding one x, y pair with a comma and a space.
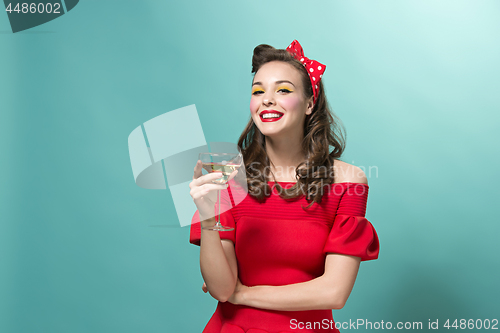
268, 131
272, 133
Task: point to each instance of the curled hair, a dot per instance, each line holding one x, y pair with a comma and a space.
323, 142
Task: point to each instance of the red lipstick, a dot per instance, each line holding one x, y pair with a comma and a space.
273, 115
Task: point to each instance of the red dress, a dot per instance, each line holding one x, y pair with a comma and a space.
277, 243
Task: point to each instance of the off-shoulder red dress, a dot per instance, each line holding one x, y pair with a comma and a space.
277, 243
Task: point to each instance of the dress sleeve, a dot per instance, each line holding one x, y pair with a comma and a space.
351, 233
226, 220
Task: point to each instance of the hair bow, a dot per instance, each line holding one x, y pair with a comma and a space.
314, 68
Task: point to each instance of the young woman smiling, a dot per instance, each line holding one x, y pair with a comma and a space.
301, 232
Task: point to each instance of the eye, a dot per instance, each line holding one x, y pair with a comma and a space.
257, 92
284, 90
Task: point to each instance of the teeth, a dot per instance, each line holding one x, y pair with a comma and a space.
271, 115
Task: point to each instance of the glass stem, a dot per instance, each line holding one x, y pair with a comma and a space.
218, 206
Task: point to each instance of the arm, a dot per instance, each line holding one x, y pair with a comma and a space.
218, 265
217, 258
329, 291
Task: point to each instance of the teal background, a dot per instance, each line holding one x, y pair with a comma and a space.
84, 249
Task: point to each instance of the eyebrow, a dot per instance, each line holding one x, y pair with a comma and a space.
277, 82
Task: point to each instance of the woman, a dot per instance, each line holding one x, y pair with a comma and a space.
300, 233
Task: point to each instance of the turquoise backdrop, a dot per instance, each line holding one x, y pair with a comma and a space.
84, 249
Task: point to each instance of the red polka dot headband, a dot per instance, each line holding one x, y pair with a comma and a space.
314, 68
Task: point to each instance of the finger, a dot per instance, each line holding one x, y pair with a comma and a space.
208, 178
204, 189
197, 170
232, 175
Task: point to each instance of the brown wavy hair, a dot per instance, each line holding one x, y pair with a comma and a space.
323, 142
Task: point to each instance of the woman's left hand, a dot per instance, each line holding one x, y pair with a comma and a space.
238, 296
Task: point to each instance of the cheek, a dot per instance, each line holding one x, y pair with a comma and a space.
291, 103
254, 105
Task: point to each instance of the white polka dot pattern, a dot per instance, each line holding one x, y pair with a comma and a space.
295, 49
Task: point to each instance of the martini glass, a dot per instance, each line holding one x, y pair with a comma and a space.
220, 162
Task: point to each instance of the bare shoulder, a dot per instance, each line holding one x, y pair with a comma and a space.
345, 172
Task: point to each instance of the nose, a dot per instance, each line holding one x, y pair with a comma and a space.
268, 98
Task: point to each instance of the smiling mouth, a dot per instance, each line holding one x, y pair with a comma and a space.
267, 116
271, 115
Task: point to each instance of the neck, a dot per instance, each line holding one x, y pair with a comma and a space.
285, 154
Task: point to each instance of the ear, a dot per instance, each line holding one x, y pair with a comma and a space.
310, 106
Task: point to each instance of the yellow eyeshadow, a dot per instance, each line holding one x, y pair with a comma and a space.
256, 89
284, 87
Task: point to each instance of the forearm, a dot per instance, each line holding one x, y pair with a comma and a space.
216, 270
316, 294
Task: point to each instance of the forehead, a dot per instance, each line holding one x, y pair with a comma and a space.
276, 71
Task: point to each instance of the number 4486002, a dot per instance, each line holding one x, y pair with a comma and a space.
35, 8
